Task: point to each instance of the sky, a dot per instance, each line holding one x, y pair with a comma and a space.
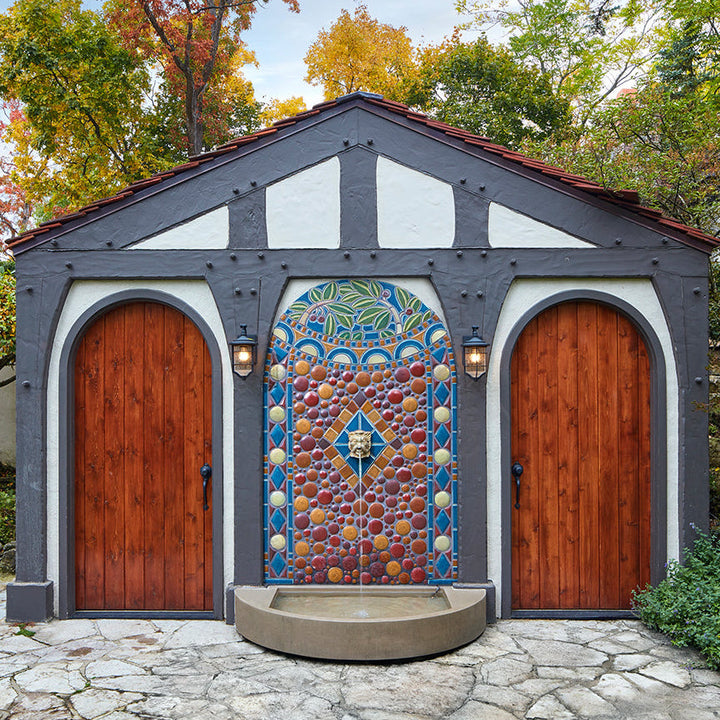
281, 38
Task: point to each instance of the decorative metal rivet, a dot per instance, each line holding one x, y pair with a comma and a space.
236, 191
480, 293
698, 380
655, 261
431, 261
373, 254
618, 241
283, 265
261, 255
54, 243
253, 291
463, 293
459, 253
483, 253
108, 243
238, 291
370, 141
208, 264
233, 256
346, 254
513, 261
482, 188
697, 290
29, 289
68, 264
346, 141
665, 241
463, 181
253, 183
26, 383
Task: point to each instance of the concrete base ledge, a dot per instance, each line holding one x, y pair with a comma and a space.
359, 638
29, 601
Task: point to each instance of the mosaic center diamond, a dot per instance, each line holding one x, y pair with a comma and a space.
383, 443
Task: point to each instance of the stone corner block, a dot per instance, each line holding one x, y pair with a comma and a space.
29, 601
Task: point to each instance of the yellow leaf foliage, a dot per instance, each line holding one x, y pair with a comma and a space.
278, 109
359, 53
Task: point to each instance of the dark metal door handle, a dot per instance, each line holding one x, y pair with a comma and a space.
206, 472
517, 471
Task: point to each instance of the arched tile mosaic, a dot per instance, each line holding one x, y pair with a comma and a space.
360, 440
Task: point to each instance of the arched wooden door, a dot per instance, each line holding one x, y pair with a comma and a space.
143, 429
581, 430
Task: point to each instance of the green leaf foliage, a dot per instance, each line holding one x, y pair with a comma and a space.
85, 98
7, 315
686, 605
481, 88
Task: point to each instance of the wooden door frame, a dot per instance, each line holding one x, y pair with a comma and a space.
66, 454
658, 439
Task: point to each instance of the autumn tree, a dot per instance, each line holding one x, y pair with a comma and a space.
78, 126
198, 45
481, 88
359, 53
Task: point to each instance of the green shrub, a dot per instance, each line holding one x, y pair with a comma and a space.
686, 605
7, 516
7, 504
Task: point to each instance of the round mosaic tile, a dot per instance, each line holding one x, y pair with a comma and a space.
277, 456
277, 414
277, 498
278, 372
441, 414
278, 542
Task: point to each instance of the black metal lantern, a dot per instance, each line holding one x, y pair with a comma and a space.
475, 354
244, 351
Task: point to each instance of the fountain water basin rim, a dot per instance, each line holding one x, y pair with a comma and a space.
328, 622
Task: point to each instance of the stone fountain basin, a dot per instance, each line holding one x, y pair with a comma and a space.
346, 624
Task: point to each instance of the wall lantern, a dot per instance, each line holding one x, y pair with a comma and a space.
475, 354
244, 351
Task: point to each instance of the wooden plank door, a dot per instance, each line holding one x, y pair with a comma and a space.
143, 429
580, 417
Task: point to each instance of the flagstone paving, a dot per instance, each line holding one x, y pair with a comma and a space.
173, 670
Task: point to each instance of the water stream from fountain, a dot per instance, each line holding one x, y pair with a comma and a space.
362, 610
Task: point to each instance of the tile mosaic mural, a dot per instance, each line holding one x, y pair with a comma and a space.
360, 440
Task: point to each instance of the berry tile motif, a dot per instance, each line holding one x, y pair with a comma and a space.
363, 355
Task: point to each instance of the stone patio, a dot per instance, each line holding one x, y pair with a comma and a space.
171, 669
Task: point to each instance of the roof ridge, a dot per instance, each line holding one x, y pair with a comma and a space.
625, 199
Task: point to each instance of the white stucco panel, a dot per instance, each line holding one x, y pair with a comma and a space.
414, 210
83, 295
510, 229
303, 211
210, 231
523, 296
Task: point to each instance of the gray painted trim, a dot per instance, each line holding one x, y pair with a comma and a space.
358, 199
67, 440
658, 432
471, 219
248, 226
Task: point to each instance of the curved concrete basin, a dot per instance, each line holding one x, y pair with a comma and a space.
345, 624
